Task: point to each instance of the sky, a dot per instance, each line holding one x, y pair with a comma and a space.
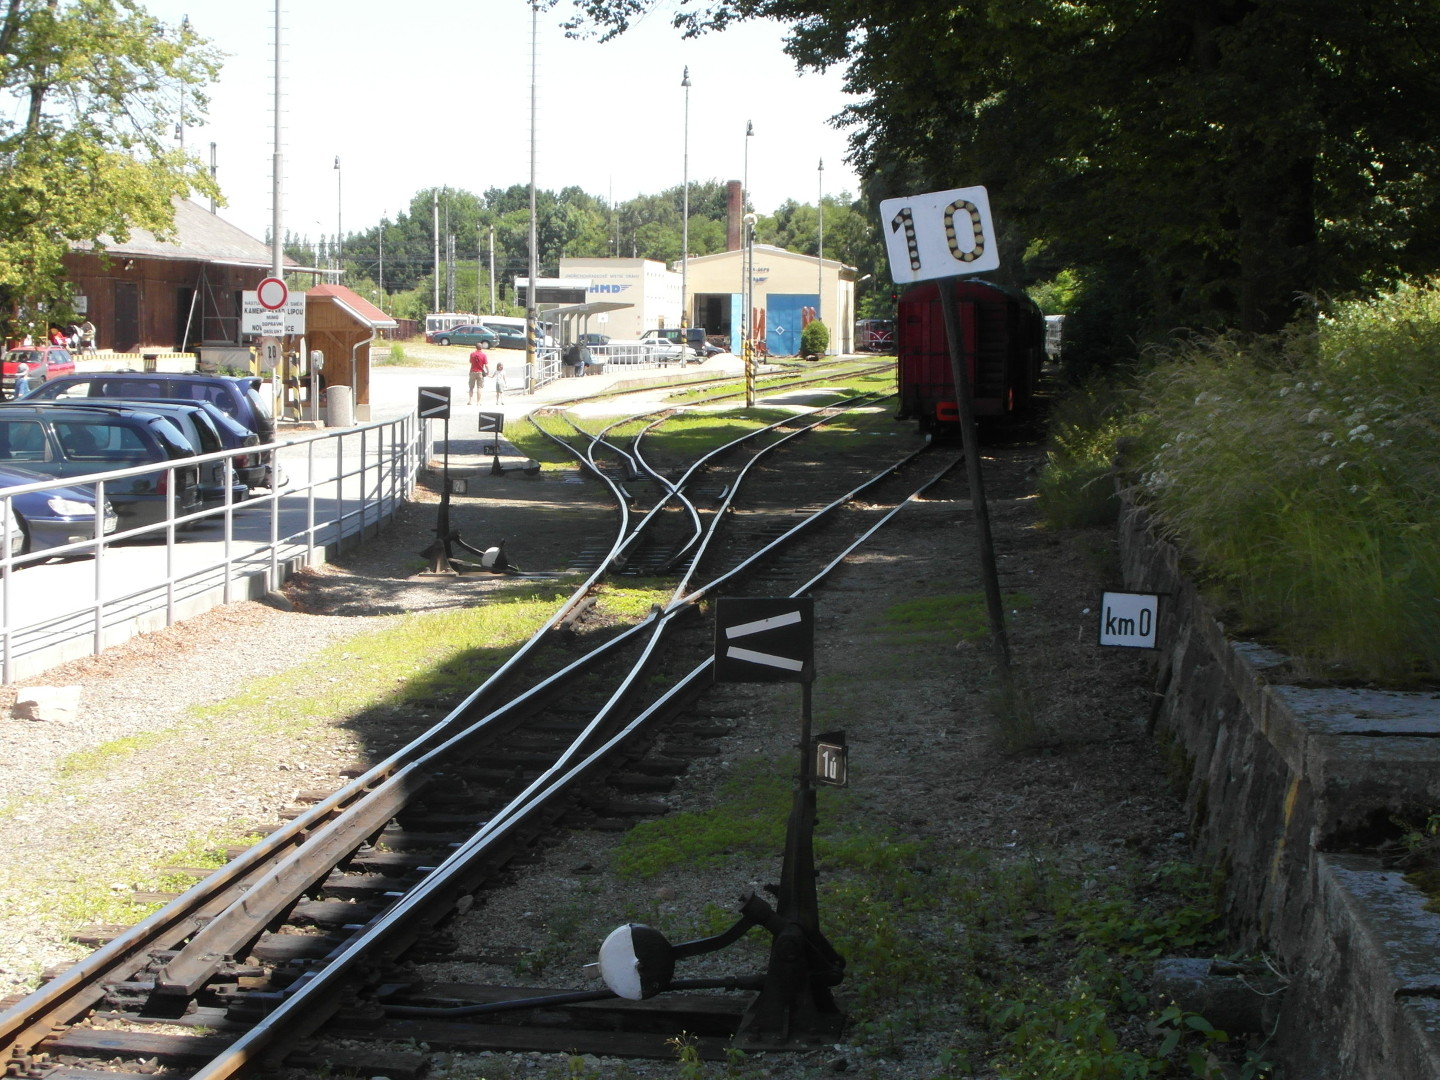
437, 93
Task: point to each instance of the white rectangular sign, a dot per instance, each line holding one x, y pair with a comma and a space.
1129, 619
939, 234
255, 319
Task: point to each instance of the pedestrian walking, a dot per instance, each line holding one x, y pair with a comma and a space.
479, 368
501, 384
22, 380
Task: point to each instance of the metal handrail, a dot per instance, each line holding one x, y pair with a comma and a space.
343, 484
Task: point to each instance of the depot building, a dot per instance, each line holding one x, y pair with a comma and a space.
626, 297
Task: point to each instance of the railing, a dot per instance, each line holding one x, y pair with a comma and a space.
336, 487
547, 366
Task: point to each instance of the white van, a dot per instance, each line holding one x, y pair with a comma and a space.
438, 322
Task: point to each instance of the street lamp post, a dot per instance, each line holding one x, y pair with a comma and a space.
744, 208
180, 117
820, 257
339, 231
685, 221
749, 350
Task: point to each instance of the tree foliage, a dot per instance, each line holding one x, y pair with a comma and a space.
86, 151
1195, 162
572, 223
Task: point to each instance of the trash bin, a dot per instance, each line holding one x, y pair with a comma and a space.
150, 360
339, 407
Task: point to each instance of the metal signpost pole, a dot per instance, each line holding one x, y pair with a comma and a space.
772, 640
959, 368
685, 224
934, 237
749, 262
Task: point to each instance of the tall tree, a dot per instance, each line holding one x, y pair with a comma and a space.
87, 150
1217, 162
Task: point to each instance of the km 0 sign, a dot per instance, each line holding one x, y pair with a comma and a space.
1129, 619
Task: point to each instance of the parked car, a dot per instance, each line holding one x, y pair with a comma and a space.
592, 340
45, 362
511, 332
467, 334
68, 442
669, 342
250, 470
509, 337
237, 395
200, 430
56, 516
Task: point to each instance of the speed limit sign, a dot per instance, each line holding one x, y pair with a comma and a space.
939, 234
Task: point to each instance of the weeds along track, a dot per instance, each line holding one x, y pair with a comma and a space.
306, 928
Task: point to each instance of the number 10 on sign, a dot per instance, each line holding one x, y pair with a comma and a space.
939, 234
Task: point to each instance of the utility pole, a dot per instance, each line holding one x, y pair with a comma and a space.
277, 242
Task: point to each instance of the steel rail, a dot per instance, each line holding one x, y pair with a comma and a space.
342, 830
308, 1002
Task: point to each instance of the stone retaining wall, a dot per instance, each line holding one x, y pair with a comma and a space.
1283, 783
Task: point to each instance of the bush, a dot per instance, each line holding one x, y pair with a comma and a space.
814, 338
1301, 474
1077, 485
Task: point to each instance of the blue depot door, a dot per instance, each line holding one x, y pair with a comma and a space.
784, 315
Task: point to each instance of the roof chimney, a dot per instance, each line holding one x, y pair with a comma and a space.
735, 211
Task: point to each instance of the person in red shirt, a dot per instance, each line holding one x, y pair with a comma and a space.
479, 368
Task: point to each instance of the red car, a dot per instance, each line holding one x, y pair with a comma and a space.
46, 362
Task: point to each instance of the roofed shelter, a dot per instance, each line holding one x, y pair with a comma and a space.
341, 324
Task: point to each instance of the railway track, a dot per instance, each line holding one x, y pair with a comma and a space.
304, 928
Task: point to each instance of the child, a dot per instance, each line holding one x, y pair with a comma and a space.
22, 380
500, 384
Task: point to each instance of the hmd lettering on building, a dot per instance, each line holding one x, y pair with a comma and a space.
1129, 619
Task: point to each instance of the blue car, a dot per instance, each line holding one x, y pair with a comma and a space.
48, 519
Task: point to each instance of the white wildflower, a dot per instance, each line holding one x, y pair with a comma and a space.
1358, 431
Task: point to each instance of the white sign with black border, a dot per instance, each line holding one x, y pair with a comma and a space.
1129, 620
939, 234
255, 318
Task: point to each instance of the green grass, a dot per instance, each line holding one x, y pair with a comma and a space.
396, 356
1077, 484
1034, 961
944, 618
632, 599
